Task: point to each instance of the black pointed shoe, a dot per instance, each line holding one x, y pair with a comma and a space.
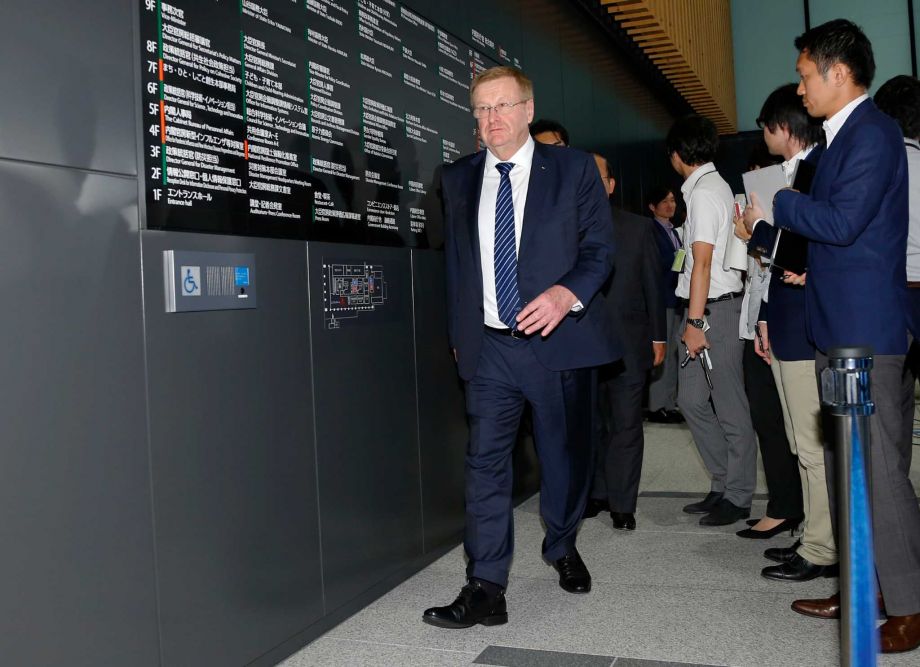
623, 520
573, 573
796, 569
786, 524
725, 513
472, 606
705, 505
782, 554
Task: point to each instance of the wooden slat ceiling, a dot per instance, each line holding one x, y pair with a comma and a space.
690, 41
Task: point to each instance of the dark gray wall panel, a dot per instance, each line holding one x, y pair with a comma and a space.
67, 76
366, 432
75, 527
443, 432
233, 460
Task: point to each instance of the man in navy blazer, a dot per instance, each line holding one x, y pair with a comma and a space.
856, 221
528, 245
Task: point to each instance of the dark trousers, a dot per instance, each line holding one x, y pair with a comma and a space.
780, 467
895, 513
508, 376
620, 441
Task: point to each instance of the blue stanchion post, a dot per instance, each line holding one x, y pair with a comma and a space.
846, 395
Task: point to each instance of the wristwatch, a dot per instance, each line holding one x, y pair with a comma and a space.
699, 324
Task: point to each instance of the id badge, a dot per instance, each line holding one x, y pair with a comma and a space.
679, 256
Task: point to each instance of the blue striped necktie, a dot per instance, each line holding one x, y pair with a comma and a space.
506, 287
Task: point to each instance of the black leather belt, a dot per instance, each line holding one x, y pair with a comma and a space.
514, 333
725, 297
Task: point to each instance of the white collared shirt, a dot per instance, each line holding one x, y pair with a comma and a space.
710, 208
833, 124
789, 172
520, 179
789, 165
912, 146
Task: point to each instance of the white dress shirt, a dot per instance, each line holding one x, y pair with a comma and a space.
788, 168
710, 209
789, 165
912, 146
520, 179
833, 124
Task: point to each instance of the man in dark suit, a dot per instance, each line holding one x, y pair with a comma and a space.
855, 219
636, 306
547, 131
528, 245
662, 387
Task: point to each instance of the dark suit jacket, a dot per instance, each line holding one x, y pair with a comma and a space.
567, 239
856, 221
785, 312
668, 279
633, 291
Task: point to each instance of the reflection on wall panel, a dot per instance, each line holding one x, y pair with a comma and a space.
234, 480
366, 420
441, 407
77, 585
67, 76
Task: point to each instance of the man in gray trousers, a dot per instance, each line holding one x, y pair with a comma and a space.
711, 385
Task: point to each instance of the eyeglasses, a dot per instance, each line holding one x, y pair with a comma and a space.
502, 109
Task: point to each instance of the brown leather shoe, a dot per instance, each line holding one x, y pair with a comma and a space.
900, 633
828, 608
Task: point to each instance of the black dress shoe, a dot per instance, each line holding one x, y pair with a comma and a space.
472, 606
705, 505
784, 525
796, 569
662, 416
724, 514
573, 573
594, 507
675, 416
623, 520
782, 555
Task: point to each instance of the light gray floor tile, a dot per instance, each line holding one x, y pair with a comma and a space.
507, 656
670, 591
633, 662
329, 652
672, 462
713, 561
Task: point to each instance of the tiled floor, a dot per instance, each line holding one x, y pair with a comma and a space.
671, 593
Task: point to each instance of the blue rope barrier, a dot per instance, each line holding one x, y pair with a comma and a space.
864, 642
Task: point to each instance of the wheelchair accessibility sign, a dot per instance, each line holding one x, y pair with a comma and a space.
214, 280
190, 277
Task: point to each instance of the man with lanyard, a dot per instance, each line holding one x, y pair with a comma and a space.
711, 386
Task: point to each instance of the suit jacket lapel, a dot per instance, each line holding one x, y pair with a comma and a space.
537, 189
853, 119
831, 155
474, 185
